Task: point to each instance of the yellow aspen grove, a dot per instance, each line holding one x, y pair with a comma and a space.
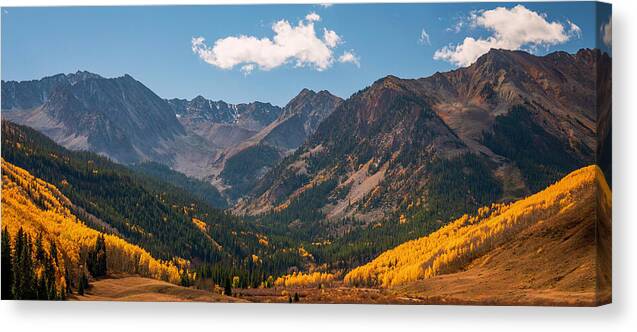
304, 280
466, 238
40, 208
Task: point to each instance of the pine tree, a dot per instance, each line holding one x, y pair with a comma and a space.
53, 294
39, 249
49, 275
80, 287
25, 283
19, 244
227, 288
82, 283
67, 281
96, 262
54, 252
7, 266
43, 292
62, 295
101, 256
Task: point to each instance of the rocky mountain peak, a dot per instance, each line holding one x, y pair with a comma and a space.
310, 102
200, 99
82, 75
305, 92
21, 95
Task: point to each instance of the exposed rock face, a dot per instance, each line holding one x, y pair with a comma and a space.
252, 116
117, 117
300, 119
30, 94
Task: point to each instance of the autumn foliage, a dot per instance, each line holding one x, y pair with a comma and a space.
300, 279
468, 237
39, 208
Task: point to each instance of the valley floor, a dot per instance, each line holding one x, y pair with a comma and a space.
459, 288
139, 289
329, 295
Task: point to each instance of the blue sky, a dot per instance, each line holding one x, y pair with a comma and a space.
154, 44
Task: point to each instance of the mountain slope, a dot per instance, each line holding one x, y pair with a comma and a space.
117, 117
154, 215
220, 124
245, 163
300, 119
250, 116
434, 148
40, 209
200, 189
543, 249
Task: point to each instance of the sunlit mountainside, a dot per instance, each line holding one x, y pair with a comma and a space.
560, 224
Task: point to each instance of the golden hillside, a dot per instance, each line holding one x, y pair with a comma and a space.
39, 207
571, 203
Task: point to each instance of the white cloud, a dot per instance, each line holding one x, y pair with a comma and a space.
424, 38
574, 29
326, 5
607, 32
510, 29
197, 42
312, 17
349, 56
330, 38
299, 44
247, 69
457, 27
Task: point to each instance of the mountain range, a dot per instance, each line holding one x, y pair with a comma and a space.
429, 148
125, 121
